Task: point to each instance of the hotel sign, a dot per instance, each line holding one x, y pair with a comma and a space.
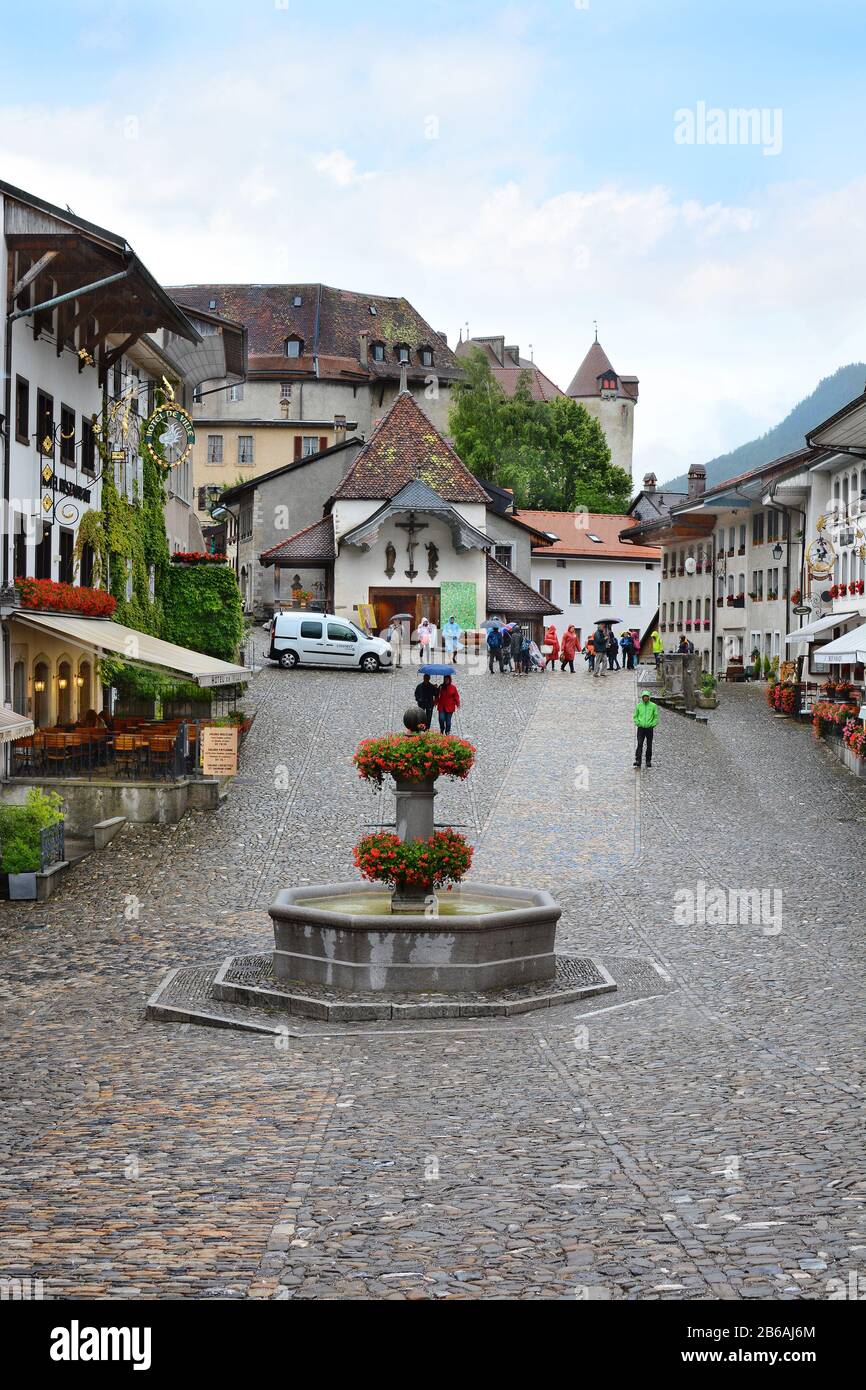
171, 428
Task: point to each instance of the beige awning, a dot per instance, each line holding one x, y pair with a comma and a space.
14, 725
810, 630
103, 636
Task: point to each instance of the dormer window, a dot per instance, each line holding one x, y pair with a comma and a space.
294, 346
296, 301
377, 352
595, 539
608, 383
402, 352
373, 310
426, 357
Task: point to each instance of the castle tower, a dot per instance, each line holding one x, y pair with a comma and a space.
611, 398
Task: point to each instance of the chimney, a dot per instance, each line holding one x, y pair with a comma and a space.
650, 482
443, 336
513, 353
339, 429
362, 348
404, 380
697, 480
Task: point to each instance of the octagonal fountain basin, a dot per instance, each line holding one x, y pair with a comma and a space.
483, 936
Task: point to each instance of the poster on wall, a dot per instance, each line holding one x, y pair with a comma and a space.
457, 598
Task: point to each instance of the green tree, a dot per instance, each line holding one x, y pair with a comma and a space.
551, 454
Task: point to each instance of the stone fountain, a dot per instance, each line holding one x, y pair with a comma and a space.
366, 937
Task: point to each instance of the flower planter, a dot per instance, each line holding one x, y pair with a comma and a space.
21, 887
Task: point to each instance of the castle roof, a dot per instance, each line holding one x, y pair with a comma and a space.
596, 364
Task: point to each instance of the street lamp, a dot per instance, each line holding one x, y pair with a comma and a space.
777, 551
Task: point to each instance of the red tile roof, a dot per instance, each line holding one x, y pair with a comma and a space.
507, 372
595, 363
574, 530
329, 322
405, 446
314, 545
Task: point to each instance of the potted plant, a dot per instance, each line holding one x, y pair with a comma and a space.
707, 697
21, 842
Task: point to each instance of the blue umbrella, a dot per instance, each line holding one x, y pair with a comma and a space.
434, 668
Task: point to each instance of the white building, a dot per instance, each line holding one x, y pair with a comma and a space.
86, 324
590, 572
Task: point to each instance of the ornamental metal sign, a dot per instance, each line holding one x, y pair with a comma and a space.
171, 428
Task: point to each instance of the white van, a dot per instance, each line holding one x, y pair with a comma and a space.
323, 639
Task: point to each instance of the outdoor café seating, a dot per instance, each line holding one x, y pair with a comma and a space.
130, 749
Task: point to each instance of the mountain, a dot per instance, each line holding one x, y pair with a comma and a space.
828, 397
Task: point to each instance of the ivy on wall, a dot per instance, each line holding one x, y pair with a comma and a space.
203, 610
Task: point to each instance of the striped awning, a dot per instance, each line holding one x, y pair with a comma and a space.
14, 725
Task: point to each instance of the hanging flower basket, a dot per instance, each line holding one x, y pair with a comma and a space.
414, 756
419, 864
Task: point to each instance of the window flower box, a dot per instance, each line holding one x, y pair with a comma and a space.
681, 571
720, 602
706, 624
65, 598
742, 550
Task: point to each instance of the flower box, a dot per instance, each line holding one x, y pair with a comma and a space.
198, 557
706, 624
65, 598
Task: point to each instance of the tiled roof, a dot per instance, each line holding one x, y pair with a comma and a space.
574, 530
405, 446
507, 372
329, 322
585, 380
510, 597
314, 545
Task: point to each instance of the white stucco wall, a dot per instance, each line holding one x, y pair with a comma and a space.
590, 573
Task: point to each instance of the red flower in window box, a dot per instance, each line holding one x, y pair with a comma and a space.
198, 557
65, 598
706, 624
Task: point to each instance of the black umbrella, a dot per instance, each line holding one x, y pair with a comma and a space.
492, 622
607, 622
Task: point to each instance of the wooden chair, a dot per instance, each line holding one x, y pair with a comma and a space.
161, 748
127, 753
58, 752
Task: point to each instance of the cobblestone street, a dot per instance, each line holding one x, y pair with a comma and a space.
697, 1135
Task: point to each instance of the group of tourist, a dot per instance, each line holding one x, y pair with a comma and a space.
601, 653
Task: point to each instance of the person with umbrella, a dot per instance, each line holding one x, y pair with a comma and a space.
600, 640
494, 644
447, 701
425, 697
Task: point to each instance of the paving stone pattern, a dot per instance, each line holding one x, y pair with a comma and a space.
695, 1135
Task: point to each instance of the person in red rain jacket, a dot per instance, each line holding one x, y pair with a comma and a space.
551, 640
570, 646
447, 701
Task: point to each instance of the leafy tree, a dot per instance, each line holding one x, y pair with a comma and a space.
552, 454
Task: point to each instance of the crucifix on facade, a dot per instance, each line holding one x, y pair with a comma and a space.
412, 528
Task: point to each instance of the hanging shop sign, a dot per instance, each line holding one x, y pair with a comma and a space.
169, 435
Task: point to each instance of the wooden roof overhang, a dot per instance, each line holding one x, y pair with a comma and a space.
672, 530
118, 301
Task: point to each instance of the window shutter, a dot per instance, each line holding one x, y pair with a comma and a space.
202, 502
323, 442
298, 446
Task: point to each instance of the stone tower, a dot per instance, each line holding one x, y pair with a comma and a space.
611, 398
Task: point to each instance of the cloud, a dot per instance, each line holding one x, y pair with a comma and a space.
728, 313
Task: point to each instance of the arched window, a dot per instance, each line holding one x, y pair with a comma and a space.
85, 688
741, 584
680, 613
64, 693
41, 694
689, 611
707, 609
19, 687
844, 568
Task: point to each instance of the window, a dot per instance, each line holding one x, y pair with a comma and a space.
604, 588
426, 357
402, 353
575, 591
19, 553
86, 569
67, 436
245, 448
743, 539
45, 423
214, 448
285, 390
245, 521
544, 588
88, 446
196, 395
772, 525
595, 539
377, 352
309, 445
634, 593
311, 630
67, 542
236, 392
294, 347
502, 554
43, 553
296, 301
758, 528
337, 632
22, 410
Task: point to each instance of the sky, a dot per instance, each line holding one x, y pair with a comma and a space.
526, 169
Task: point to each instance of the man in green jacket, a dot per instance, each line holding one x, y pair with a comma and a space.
646, 717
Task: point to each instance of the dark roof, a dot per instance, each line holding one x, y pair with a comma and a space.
405, 446
792, 460
314, 545
239, 488
329, 322
509, 596
659, 501
595, 364
501, 498
850, 409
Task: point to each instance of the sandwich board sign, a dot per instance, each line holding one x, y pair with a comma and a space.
219, 752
